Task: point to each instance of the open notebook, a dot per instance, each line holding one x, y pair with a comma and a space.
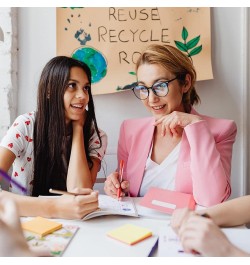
110, 206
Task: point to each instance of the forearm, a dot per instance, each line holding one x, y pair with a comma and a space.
231, 213
79, 175
236, 252
210, 177
32, 206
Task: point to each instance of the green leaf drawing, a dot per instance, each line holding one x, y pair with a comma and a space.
192, 43
126, 87
195, 51
181, 46
186, 46
132, 73
184, 33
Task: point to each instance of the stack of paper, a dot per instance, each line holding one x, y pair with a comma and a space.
41, 226
130, 234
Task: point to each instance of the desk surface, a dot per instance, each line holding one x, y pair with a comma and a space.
91, 239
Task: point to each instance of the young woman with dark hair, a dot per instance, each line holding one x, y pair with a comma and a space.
59, 145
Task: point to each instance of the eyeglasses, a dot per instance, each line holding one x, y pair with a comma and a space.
160, 89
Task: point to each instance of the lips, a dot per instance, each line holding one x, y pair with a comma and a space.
158, 107
77, 106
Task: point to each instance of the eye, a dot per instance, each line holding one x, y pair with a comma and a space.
71, 85
161, 85
141, 88
87, 88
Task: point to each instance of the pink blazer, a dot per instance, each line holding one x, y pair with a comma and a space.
204, 163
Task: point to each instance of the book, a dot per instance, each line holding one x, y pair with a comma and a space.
41, 226
111, 206
167, 201
130, 234
56, 242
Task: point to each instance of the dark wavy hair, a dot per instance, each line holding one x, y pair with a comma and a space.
51, 147
177, 63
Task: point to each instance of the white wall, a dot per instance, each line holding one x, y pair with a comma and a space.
221, 97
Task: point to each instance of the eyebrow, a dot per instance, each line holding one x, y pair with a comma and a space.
70, 80
156, 80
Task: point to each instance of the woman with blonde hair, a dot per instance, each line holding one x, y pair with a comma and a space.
177, 148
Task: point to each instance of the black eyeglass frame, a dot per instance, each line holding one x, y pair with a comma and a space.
152, 88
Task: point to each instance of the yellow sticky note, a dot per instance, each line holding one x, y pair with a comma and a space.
130, 234
41, 226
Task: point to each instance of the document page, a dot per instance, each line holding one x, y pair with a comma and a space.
109, 206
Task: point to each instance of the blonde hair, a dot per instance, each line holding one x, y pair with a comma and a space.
177, 63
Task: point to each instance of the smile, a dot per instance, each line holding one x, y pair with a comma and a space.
77, 106
158, 107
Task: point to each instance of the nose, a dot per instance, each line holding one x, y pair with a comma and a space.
80, 93
152, 97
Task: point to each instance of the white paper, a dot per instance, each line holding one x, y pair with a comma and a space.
109, 205
169, 244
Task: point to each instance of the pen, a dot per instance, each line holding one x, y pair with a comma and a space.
13, 181
119, 190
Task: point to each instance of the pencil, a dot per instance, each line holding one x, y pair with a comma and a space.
62, 192
13, 181
67, 193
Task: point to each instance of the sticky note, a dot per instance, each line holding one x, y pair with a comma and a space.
130, 234
41, 226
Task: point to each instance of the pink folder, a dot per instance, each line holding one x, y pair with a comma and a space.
167, 201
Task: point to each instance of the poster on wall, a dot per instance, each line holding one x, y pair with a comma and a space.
110, 39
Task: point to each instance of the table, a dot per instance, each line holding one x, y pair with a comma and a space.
91, 239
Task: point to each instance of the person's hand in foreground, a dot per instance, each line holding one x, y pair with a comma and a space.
201, 235
179, 217
112, 184
13, 243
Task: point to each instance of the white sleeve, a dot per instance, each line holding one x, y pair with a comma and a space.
94, 145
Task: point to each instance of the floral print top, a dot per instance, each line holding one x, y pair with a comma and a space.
19, 140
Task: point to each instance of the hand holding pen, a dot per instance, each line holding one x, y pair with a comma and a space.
115, 185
